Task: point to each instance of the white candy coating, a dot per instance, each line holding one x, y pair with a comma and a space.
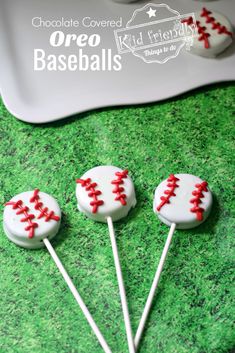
15, 228
218, 42
104, 177
179, 208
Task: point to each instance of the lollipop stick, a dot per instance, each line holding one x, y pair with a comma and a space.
154, 286
130, 339
77, 297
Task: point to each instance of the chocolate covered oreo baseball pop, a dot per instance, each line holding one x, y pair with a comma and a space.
105, 191
214, 33
31, 219
181, 201
107, 194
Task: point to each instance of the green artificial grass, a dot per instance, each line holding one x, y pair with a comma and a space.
194, 307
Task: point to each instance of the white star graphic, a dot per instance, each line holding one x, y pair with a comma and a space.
151, 12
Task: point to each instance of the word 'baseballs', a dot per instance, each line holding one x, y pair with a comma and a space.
214, 33
105, 191
183, 199
31, 217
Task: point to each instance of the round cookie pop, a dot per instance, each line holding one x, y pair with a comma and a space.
182, 201
106, 194
214, 33
105, 191
30, 217
30, 220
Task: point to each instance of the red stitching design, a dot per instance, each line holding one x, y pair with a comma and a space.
44, 212
89, 186
203, 35
215, 25
172, 184
197, 200
27, 217
188, 21
119, 189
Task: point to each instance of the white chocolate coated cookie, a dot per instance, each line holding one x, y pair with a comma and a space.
31, 217
214, 33
183, 199
105, 191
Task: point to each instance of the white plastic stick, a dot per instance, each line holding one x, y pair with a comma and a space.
154, 287
76, 295
122, 291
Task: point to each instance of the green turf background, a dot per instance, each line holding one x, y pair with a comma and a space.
194, 307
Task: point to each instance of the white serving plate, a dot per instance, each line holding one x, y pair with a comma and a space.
39, 97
